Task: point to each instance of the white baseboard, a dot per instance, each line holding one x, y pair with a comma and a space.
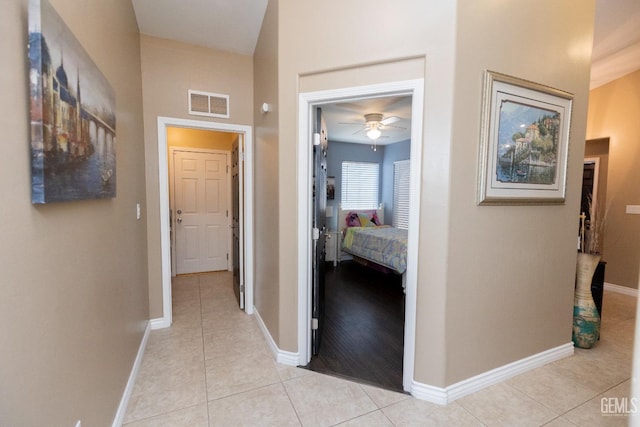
159, 323
124, 401
621, 289
443, 396
429, 393
281, 356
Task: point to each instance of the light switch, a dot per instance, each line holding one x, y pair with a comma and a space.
633, 209
137, 210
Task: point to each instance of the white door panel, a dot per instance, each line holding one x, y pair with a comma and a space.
202, 223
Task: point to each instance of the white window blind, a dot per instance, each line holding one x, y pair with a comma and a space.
360, 185
401, 193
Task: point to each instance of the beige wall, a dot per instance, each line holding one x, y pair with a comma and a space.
73, 299
498, 308
423, 30
613, 113
266, 148
514, 296
169, 70
200, 138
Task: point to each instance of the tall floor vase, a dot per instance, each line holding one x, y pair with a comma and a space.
586, 319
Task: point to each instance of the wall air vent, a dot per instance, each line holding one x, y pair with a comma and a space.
208, 104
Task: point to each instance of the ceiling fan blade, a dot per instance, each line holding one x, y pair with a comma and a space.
358, 131
390, 120
394, 127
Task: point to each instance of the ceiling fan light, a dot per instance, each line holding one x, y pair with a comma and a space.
374, 133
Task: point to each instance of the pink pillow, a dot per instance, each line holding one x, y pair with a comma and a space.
352, 220
375, 219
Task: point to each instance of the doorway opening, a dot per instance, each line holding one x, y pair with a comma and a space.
244, 201
594, 178
412, 89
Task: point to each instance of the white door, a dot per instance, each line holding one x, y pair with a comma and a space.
236, 221
320, 146
201, 211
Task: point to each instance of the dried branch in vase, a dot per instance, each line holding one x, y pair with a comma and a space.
592, 229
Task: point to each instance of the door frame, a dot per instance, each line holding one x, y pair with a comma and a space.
306, 102
163, 183
596, 177
172, 208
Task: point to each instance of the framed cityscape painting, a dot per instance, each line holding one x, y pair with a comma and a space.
72, 113
524, 142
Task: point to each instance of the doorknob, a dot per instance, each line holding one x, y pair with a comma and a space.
179, 220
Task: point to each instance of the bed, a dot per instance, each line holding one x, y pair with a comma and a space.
370, 242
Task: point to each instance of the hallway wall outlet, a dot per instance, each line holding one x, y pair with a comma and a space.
633, 209
137, 210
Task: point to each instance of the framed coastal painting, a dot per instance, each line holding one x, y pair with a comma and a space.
72, 115
524, 142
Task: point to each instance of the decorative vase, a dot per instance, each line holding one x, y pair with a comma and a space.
586, 319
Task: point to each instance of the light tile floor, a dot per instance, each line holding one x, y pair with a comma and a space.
214, 368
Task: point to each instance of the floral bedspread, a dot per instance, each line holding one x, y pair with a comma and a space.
383, 245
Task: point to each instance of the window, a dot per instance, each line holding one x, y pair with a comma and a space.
360, 185
401, 187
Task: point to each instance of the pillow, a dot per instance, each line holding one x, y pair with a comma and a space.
365, 220
352, 220
374, 218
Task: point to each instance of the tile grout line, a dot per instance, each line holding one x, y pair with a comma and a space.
158, 415
470, 413
364, 415
587, 400
380, 408
204, 356
590, 399
550, 408
295, 410
556, 419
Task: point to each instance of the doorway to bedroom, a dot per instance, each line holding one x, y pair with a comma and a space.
363, 326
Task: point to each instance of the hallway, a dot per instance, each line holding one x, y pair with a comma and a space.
213, 367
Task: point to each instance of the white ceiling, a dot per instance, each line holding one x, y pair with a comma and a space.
616, 44
231, 25
346, 122
234, 25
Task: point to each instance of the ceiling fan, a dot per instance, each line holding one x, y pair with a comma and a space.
375, 124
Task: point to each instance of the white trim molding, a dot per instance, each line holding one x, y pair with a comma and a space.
163, 183
126, 396
596, 177
159, 323
280, 356
633, 292
306, 102
444, 396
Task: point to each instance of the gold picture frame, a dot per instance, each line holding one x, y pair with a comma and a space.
524, 142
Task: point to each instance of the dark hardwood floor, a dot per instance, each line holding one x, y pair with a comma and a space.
363, 333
